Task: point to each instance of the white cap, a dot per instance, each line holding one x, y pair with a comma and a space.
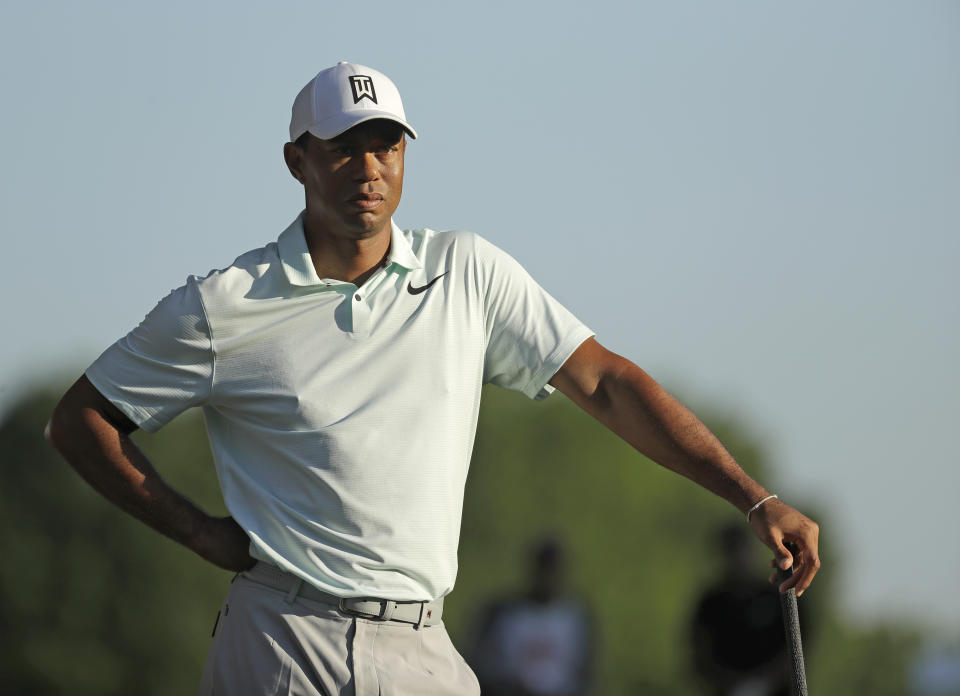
340, 97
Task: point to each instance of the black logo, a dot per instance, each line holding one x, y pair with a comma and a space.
416, 291
362, 86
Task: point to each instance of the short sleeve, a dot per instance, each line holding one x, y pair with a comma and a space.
529, 334
164, 366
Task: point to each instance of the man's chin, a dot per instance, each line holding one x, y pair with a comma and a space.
357, 227
370, 225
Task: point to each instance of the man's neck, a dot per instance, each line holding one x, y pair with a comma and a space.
346, 258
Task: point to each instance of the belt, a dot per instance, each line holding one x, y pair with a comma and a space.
416, 613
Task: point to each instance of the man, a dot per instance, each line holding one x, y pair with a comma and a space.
737, 637
339, 370
540, 641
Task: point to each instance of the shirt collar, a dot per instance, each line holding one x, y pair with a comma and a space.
401, 253
298, 266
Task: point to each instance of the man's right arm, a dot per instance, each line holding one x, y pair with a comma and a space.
93, 435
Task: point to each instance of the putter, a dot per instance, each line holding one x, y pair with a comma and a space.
791, 626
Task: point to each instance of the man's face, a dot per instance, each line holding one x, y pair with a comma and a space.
352, 182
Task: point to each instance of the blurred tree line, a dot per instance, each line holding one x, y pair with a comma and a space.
92, 602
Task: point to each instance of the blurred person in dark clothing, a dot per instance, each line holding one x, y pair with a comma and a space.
739, 645
539, 642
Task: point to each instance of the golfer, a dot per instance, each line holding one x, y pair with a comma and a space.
339, 370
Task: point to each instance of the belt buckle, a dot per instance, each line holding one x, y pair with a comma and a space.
387, 608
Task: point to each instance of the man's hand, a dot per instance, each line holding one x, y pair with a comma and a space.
776, 523
224, 543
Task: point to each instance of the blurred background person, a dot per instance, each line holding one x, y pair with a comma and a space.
539, 642
738, 640
936, 671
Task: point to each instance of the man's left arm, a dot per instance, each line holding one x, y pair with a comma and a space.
630, 403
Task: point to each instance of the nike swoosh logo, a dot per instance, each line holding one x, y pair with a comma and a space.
416, 291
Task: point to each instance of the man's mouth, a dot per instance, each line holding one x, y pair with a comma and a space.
367, 201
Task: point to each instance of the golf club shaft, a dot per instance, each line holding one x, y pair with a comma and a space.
791, 625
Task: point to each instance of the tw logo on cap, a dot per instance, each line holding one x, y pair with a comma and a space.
362, 86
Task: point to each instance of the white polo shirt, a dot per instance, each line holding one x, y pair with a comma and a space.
342, 419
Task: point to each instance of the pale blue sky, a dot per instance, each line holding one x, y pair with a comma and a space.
758, 202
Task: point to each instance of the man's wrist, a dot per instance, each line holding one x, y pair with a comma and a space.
748, 494
196, 533
760, 503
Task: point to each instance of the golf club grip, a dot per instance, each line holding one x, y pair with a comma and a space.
791, 626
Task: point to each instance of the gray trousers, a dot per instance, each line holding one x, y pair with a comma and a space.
267, 644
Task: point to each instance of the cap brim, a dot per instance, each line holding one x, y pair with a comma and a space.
331, 128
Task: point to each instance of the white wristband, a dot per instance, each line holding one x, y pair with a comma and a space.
750, 511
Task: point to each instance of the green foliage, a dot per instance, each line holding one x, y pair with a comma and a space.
93, 602
864, 660
636, 533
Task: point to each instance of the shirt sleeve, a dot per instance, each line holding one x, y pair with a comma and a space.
164, 366
529, 334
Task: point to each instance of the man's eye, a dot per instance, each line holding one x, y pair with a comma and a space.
343, 150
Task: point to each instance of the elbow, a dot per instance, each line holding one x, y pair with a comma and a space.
599, 397
67, 423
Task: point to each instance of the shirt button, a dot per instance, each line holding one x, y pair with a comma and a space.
356, 297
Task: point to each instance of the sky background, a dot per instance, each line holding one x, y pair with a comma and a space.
757, 202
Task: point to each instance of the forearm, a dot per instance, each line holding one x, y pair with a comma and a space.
631, 404
94, 437
112, 464
635, 407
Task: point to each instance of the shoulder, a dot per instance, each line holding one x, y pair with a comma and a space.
470, 247
255, 273
243, 272
429, 240
216, 291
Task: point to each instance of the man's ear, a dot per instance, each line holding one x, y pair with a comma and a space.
293, 156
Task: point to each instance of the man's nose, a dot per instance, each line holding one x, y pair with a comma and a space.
368, 167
